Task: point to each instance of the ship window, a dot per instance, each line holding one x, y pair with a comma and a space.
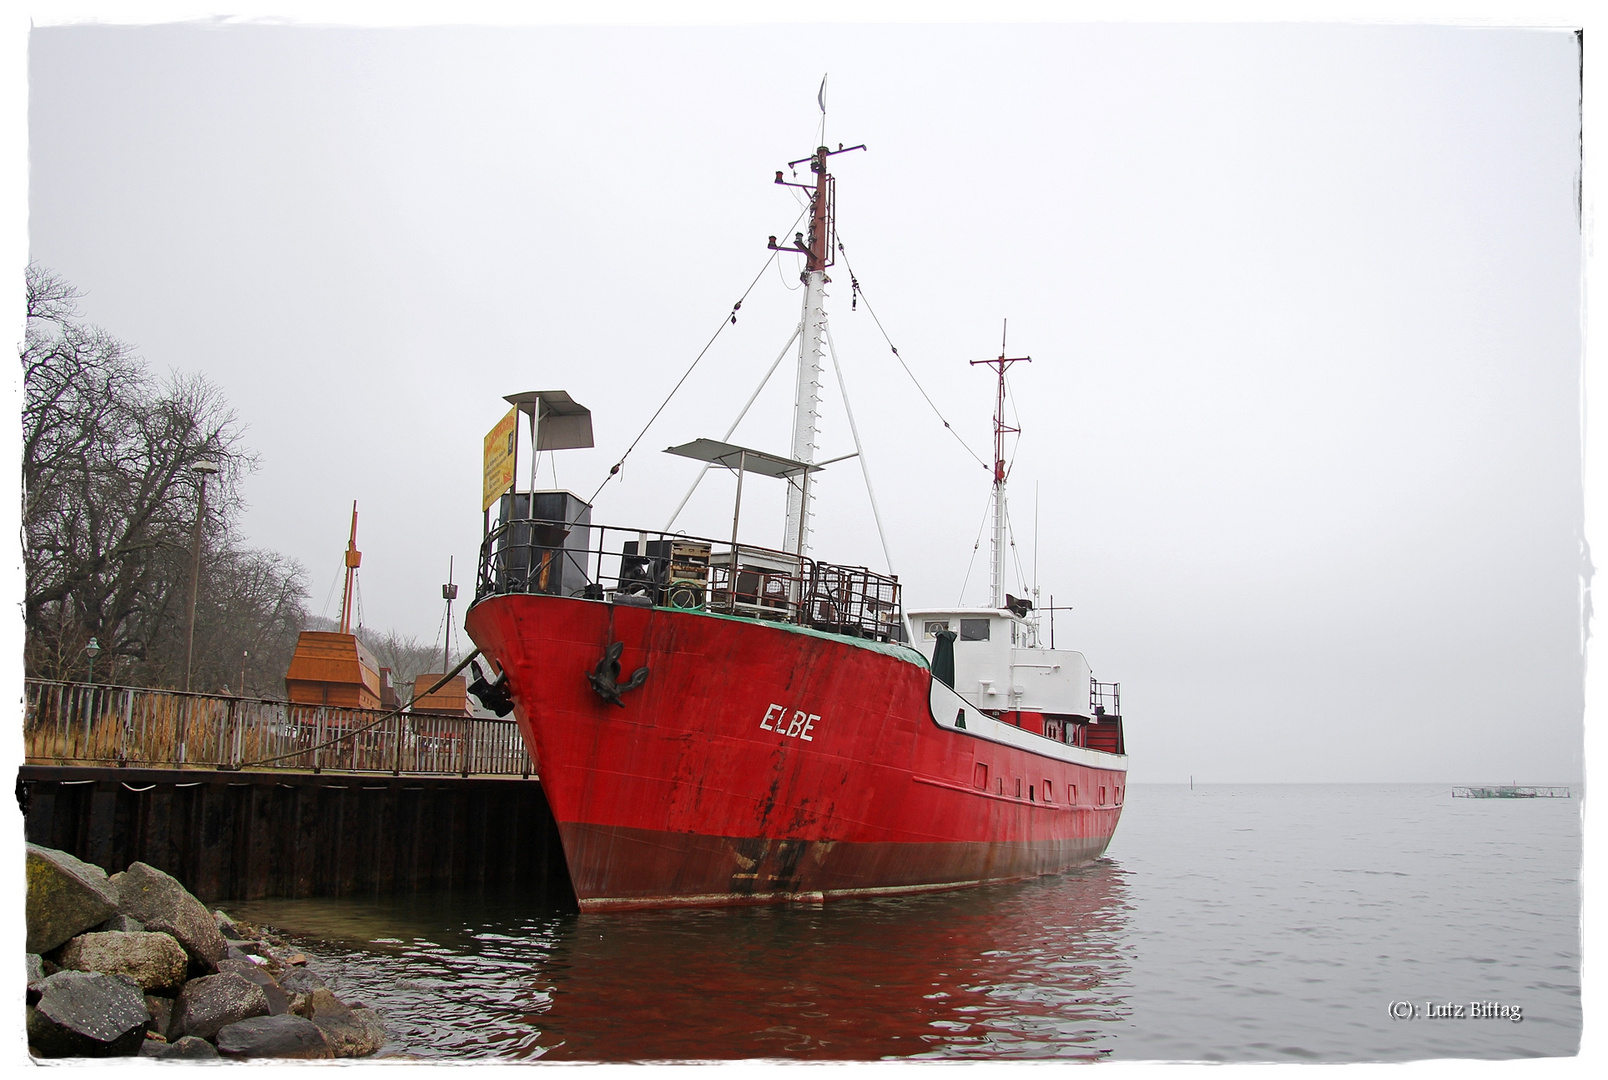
1102, 796
931, 627
974, 629
980, 776
1030, 796
1047, 796
1018, 787
1072, 796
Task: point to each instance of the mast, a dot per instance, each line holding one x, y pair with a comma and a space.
449, 593
354, 558
996, 596
818, 252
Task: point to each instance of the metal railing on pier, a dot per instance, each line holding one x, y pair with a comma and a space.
80, 724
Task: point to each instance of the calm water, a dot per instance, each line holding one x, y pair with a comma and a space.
1227, 923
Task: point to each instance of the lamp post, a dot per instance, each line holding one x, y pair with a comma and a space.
92, 650
203, 469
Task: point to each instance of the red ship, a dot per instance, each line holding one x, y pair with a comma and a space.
719, 723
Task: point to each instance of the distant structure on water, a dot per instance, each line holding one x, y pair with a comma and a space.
1511, 792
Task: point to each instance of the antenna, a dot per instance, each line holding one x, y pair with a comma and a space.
1001, 428
449, 593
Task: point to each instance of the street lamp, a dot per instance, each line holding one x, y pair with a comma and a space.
203, 469
92, 650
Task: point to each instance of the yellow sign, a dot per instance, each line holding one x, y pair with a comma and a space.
500, 443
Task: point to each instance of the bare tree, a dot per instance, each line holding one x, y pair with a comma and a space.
110, 498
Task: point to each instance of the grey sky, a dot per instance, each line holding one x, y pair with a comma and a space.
1303, 304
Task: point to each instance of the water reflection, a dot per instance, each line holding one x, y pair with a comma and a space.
1034, 970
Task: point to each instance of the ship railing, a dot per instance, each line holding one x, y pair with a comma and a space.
631, 566
137, 727
1105, 698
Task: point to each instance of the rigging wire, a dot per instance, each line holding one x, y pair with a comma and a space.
797, 330
977, 543
865, 469
859, 294
730, 317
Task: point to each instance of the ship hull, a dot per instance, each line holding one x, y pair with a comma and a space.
761, 763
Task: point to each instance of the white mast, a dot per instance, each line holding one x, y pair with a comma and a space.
806, 406
818, 250
996, 596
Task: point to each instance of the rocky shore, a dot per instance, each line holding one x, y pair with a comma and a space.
133, 964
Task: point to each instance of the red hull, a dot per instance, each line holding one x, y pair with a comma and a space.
762, 762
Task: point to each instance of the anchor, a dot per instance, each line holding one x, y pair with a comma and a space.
605, 678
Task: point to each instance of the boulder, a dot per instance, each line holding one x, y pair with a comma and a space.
161, 1010
226, 925
301, 981
121, 922
36, 971
88, 1014
66, 896
188, 1048
155, 961
162, 904
354, 1033
278, 999
210, 1003
274, 1037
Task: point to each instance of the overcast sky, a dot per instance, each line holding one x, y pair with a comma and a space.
1302, 425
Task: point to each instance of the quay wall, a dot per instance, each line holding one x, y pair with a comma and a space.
252, 835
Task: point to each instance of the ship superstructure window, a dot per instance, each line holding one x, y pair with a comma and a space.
980, 776
1047, 796
974, 629
931, 627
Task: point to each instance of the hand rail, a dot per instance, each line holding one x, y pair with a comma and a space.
83, 724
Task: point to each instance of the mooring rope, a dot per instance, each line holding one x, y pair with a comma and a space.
448, 677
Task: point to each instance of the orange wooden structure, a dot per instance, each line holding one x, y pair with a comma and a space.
333, 669
451, 700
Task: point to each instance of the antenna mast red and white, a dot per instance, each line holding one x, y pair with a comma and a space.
1001, 429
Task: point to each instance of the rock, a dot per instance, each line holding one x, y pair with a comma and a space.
120, 922
207, 1004
188, 1048
161, 1010
298, 958
301, 981
36, 969
162, 904
278, 1000
323, 1002
88, 1014
155, 961
66, 896
353, 1032
356, 1033
274, 1037
226, 926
